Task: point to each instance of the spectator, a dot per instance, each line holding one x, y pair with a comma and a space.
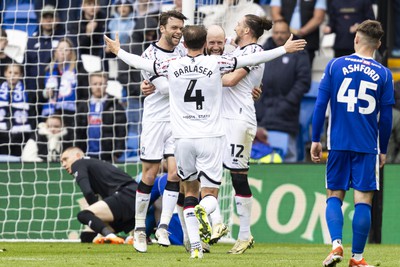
396, 24
67, 10
88, 34
279, 106
89, 29
393, 154
344, 17
123, 21
147, 8
4, 59
15, 127
60, 83
48, 141
39, 52
304, 18
101, 122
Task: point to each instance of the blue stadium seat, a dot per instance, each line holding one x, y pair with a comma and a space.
20, 17
132, 147
279, 142
305, 119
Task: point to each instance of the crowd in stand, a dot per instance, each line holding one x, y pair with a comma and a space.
54, 82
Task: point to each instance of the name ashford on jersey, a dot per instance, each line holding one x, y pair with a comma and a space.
362, 67
198, 69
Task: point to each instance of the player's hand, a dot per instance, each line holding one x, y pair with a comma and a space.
292, 46
256, 93
316, 152
147, 88
261, 135
382, 160
113, 45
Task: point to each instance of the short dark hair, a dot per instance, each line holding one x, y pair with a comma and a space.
258, 24
3, 32
171, 14
195, 36
372, 30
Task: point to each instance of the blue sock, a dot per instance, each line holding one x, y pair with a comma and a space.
361, 226
334, 217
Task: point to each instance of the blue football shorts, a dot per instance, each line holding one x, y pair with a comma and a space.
347, 169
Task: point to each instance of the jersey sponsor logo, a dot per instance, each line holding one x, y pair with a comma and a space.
199, 117
95, 120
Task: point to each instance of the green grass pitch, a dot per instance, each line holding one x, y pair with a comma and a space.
17, 254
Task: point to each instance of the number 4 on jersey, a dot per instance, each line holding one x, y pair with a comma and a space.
351, 99
198, 97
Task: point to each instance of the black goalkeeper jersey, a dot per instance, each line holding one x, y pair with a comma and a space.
99, 177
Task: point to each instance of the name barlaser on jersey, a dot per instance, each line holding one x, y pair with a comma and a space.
361, 68
189, 69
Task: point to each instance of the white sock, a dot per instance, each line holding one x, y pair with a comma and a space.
192, 228
243, 207
357, 256
209, 203
183, 224
169, 200
336, 243
215, 216
111, 236
141, 205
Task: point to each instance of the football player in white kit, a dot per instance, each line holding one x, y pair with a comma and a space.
195, 93
240, 124
156, 141
215, 46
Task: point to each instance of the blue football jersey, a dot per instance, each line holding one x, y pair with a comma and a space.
357, 87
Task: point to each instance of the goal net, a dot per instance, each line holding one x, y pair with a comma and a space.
38, 199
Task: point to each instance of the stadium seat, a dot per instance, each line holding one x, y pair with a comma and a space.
20, 17
16, 47
91, 63
327, 45
114, 88
305, 119
132, 146
279, 142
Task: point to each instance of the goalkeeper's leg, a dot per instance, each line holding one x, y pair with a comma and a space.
97, 217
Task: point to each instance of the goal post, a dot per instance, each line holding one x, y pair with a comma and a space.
40, 201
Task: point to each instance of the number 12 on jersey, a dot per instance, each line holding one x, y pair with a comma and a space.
198, 97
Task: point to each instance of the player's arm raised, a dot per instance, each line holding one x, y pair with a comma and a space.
131, 59
290, 46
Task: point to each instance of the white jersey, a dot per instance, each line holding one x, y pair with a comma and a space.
156, 105
238, 102
195, 93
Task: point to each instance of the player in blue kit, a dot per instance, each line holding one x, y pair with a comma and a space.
360, 93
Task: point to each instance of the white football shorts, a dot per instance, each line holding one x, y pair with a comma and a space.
239, 139
200, 158
156, 141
